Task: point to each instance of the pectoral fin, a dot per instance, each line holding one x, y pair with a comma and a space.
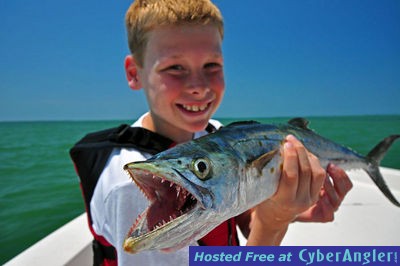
263, 160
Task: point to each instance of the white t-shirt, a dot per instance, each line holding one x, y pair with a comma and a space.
117, 202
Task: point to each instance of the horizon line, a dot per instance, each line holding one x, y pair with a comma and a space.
216, 117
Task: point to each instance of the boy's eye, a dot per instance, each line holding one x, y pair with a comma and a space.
213, 67
176, 67
175, 70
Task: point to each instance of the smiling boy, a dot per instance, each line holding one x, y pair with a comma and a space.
177, 60
182, 73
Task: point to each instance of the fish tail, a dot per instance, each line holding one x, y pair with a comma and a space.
374, 158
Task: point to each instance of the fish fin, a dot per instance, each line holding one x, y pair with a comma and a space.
377, 177
241, 123
374, 158
299, 122
379, 151
263, 160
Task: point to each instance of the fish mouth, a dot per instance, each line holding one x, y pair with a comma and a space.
169, 205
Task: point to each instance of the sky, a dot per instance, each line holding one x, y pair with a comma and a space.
63, 60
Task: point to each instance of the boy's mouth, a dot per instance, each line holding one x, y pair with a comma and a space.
194, 108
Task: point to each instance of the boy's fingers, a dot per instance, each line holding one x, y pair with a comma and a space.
318, 177
289, 181
327, 210
341, 181
331, 193
304, 168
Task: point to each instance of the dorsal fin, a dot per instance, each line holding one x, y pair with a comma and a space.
241, 123
299, 122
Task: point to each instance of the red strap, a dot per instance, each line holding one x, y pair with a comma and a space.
99, 238
220, 235
173, 144
110, 262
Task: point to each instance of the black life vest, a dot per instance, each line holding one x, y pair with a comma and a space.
90, 155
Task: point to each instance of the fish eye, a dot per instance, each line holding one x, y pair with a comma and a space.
201, 168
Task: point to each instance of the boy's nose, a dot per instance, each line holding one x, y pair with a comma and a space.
198, 84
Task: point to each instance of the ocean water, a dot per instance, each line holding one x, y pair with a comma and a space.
39, 190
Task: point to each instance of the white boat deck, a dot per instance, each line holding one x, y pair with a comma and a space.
366, 217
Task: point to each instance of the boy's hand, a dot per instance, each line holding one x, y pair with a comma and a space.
301, 181
299, 188
331, 196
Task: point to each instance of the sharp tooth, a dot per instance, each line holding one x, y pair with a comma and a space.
157, 194
171, 184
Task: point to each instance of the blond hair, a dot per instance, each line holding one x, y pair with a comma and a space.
145, 15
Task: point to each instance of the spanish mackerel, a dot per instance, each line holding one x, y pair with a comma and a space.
197, 185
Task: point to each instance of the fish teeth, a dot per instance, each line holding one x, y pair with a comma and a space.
137, 220
144, 193
157, 194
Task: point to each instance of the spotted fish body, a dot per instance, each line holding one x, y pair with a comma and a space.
195, 186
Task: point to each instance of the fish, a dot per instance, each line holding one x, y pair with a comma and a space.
195, 186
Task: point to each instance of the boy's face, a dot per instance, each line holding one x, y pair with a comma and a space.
183, 78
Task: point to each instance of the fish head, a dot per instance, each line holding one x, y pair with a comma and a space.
189, 188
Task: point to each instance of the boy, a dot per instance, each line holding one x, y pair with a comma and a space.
177, 60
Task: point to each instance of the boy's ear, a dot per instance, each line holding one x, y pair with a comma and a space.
131, 71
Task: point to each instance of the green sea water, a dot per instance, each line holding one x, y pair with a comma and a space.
39, 190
